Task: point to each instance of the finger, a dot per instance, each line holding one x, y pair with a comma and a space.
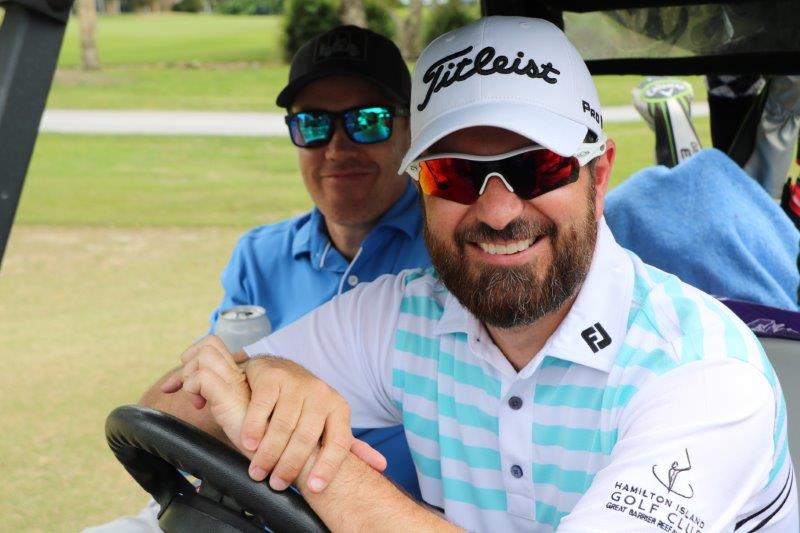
240, 356
227, 403
336, 444
192, 386
173, 383
197, 401
264, 396
210, 360
279, 430
189, 368
209, 340
220, 363
369, 455
302, 444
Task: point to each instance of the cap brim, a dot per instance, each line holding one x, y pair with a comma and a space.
555, 132
288, 94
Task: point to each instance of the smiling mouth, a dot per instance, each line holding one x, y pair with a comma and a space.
346, 174
509, 248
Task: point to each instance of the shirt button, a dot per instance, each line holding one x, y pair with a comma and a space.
352, 280
515, 402
516, 471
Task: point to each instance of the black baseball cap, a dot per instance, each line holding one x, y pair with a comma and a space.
349, 50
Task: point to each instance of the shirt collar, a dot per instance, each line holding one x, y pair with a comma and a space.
403, 215
593, 331
308, 231
604, 299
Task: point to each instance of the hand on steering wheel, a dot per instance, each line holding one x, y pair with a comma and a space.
280, 423
153, 446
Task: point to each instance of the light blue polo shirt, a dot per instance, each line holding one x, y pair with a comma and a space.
291, 268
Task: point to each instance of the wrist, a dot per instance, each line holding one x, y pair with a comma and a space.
351, 468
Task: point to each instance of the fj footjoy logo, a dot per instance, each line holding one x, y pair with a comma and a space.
596, 337
669, 477
342, 44
447, 71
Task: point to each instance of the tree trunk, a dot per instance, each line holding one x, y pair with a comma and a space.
352, 12
410, 38
87, 14
113, 7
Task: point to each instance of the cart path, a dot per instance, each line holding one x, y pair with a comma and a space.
218, 122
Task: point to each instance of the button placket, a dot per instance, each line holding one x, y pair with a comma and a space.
516, 447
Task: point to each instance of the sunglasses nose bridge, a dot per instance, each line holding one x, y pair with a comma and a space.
491, 175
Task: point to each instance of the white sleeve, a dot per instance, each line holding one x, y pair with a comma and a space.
348, 343
694, 446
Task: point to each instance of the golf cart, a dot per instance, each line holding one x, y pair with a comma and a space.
151, 445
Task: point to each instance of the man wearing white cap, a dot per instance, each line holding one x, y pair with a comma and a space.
546, 377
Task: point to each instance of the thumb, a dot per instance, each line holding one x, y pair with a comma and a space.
369, 455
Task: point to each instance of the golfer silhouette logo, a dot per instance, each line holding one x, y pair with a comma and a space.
669, 480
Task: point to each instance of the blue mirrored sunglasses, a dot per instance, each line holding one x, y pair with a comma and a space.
363, 125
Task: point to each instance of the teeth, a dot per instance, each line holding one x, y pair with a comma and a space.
506, 249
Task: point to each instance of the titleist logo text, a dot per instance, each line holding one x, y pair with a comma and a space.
447, 71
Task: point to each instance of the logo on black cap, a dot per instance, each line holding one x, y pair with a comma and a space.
342, 44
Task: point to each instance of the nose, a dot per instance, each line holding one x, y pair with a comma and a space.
498, 206
340, 145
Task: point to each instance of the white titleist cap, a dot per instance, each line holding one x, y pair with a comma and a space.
516, 73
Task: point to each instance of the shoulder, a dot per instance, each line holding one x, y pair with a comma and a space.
685, 324
275, 232
410, 281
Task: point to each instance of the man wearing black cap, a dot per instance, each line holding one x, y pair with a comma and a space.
347, 106
347, 102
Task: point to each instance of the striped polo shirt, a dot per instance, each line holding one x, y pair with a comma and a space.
651, 407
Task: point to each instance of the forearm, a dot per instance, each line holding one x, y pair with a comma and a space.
179, 405
361, 499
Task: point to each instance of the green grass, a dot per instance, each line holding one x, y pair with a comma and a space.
248, 87
239, 87
177, 38
202, 62
616, 90
137, 181
143, 181
90, 318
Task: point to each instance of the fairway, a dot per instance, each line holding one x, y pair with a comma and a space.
90, 318
144, 181
138, 181
202, 62
174, 39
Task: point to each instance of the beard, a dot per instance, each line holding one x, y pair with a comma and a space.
508, 297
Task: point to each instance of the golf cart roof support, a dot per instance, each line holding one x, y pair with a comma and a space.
777, 58
30, 40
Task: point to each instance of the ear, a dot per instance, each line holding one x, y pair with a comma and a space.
602, 175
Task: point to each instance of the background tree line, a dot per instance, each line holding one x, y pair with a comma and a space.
412, 24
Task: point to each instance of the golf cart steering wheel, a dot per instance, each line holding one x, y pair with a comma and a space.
152, 446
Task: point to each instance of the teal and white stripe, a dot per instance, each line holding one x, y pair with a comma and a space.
464, 438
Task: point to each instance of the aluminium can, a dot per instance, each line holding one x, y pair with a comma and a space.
241, 325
